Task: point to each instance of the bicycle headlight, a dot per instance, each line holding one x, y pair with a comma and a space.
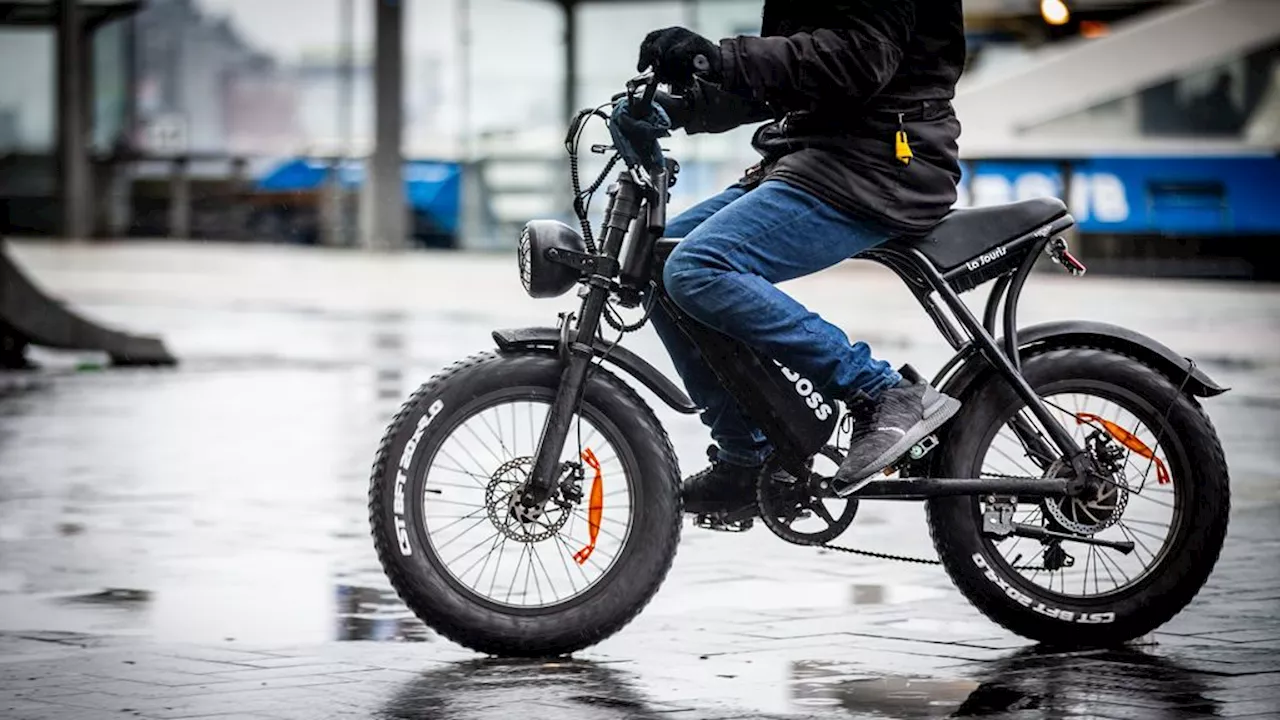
541, 277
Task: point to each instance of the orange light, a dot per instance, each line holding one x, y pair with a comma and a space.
594, 509
1093, 29
1129, 440
1055, 12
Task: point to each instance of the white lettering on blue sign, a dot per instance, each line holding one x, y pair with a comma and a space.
1097, 197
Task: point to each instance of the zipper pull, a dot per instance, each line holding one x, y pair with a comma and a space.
901, 146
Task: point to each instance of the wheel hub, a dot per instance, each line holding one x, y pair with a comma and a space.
1103, 501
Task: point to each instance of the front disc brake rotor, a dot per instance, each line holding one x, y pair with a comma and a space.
502, 501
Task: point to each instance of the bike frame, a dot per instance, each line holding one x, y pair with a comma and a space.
628, 265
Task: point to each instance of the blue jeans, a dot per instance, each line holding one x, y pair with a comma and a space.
736, 246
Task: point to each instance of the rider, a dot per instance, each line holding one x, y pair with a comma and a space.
861, 149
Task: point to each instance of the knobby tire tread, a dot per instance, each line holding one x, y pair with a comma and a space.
1200, 552
667, 504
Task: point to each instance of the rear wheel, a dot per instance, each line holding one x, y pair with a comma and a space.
460, 551
1170, 501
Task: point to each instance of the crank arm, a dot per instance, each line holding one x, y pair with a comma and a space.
1035, 532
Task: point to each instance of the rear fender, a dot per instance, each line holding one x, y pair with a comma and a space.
968, 371
545, 338
1083, 333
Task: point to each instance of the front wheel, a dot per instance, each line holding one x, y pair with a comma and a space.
1170, 501
467, 559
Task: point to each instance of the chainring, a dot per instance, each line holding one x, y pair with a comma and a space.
783, 502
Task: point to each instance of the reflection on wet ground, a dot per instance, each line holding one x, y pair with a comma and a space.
206, 527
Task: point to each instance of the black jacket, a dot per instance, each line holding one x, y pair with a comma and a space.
839, 79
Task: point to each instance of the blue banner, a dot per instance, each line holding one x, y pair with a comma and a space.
1130, 195
430, 186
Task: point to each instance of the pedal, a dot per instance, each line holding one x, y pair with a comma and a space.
922, 448
735, 522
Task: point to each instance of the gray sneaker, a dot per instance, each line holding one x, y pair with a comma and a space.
884, 429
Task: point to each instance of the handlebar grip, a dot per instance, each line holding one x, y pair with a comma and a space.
701, 63
641, 107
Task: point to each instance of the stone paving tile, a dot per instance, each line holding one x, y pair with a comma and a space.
723, 639
860, 676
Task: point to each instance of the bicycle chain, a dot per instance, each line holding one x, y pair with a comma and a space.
918, 561
881, 556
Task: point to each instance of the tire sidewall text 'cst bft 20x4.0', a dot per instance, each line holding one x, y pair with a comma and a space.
1197, 467
396, 508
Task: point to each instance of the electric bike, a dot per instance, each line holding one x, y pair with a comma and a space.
526, 501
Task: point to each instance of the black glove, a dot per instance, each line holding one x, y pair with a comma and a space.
677, 108
671, 53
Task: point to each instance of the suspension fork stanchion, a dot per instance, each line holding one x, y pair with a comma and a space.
1004, 365
622, 210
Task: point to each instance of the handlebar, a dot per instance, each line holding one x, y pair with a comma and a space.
639, 107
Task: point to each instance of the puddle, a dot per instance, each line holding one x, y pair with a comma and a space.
818, 684
126, 598
370, 614
861, 594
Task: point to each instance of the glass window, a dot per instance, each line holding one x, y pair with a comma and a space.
28, 98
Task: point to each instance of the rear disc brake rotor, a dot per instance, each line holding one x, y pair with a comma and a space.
1096, 509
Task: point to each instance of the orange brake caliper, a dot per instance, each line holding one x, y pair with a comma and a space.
1129, 440
594, 509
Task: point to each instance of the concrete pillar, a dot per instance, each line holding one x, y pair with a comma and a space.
73, 160
179, 200
119, 198
385, 196
331, 220
238, 188
570, 59
564, 193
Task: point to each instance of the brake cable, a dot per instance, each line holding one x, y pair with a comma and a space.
581, 198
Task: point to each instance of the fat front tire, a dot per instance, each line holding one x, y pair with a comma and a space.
1199, 507
401, 502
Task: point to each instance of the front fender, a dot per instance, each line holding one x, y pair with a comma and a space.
546, 338
1087, 333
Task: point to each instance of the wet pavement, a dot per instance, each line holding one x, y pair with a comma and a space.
193, 542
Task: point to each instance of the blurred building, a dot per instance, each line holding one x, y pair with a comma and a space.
1157, 119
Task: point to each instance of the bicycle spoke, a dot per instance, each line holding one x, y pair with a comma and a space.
497, 537
1145, 524
460, 519
471, 538
1107, 560
488, 446
455, 537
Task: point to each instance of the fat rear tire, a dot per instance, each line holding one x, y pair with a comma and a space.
1196, 460
468, 619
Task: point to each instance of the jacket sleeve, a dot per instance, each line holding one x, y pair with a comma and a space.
715, 110
853, 61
